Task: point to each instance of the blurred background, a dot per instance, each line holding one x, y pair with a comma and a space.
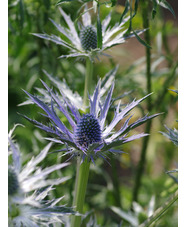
108, 185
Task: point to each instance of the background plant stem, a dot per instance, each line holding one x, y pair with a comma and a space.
88, 81
141, 165
170, 79
115, 180
82, 172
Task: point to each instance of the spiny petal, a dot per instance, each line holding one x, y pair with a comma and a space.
54, 39
30, 167
116, 28
60, 105
30, 184
95, 100
86, 18
66, 33
51, 114
120, 115
105, 23
105, 107
71, 26
74, 98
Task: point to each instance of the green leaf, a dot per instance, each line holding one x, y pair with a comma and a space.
154, 9
127, 5
99, 29
166, 5
21, 11
113, 2
135, 7
141, 40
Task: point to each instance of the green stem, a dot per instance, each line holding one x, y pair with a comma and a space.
141, 164
88, 81
82, 172
140, 168
170, 79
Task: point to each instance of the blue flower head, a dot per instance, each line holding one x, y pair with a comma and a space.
89, 135
87, 131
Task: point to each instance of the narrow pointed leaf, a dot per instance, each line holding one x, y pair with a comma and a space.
135, 7
127, 6
166, 5
154, 9
141, 40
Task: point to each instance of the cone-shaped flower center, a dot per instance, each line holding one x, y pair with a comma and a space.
13, 184
87, 131
88, 37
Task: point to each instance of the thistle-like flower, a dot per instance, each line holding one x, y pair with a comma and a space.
82, 42
89, 135
27, 189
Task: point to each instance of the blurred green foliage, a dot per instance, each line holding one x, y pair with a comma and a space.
108, 185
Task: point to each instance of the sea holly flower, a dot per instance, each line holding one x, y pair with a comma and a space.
89, 136
82, 41
28, 188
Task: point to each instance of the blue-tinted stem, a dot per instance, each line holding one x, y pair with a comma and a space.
80, 190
